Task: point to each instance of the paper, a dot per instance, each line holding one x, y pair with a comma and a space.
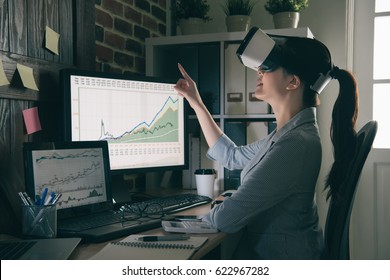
131, 249
27, 76
31, 120
3, 78
52, 39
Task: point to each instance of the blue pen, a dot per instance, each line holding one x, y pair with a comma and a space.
43, 196
37, 200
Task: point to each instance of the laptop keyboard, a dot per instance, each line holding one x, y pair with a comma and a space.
93, 221
13, 250
170, 204
175, 203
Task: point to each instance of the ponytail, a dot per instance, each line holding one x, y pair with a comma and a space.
343, 134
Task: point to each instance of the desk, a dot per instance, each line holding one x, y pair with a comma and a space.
86, 250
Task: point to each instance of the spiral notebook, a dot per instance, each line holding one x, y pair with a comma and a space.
131, 248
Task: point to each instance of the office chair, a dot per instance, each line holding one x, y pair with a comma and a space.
339, 212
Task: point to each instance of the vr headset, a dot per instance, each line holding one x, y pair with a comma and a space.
258, 51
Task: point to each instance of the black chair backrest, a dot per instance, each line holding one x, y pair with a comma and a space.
339, 212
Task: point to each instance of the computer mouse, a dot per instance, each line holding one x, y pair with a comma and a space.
228, 192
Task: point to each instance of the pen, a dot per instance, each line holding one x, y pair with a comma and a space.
37, 200
28, 198
44, 196
163, 238
56, 198
24, 200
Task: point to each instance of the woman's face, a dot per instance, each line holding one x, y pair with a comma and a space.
272, 85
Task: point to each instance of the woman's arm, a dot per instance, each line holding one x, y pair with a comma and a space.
187, 88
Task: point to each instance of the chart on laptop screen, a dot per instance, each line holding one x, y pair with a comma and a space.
141, 121
78, 174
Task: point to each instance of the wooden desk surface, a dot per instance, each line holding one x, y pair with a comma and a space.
85, 251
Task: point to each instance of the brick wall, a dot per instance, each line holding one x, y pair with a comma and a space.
121, 28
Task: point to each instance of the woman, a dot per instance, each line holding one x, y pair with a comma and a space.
274, 206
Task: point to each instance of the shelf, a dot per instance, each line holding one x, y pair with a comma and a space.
251, 117
222, 37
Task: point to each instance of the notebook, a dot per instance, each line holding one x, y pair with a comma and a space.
132, 249
38, 249
80, 171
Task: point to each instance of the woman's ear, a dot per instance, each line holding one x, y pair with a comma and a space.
294, 83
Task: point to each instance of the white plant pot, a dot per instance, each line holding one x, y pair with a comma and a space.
238, 23
286, 20
191, 26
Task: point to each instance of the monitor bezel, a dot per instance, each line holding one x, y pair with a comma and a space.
65, 79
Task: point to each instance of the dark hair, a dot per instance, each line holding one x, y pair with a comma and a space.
308, 58
342, 133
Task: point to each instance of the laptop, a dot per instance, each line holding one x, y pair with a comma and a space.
38, 249
80, 171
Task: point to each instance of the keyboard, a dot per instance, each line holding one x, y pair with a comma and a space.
90, 221
176, 203
13, 250
170, 204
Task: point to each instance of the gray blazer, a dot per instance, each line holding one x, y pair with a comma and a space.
274, 205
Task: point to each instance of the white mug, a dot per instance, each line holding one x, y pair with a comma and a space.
205, 182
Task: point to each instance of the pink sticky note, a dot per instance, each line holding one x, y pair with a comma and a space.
31, 120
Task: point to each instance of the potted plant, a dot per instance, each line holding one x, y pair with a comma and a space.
238, 14
285, 12
190, 15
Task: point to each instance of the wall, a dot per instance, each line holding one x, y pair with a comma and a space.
121, 29
22, 29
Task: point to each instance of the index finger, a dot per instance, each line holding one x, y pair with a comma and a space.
184, 73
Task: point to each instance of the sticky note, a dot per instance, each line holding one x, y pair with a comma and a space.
52, 39
3, 78
27, 76
31, 120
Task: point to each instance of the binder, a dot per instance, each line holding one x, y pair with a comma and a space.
234, 82
209, 76
256, 131
194, 163
132, 249
236, 131
253, 105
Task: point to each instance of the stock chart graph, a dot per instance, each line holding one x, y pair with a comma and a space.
161, 127
77, 174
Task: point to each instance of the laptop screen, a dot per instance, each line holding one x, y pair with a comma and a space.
77, 170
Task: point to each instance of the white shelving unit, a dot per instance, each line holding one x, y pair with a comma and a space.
207, 53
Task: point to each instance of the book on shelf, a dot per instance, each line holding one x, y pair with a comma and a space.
131, 248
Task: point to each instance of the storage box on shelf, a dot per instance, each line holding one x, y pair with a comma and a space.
226, 86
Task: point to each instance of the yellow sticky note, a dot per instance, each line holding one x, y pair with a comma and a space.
31, 120
3, 78
27, 76
52, 39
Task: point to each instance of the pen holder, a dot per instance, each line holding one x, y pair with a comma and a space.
39, 221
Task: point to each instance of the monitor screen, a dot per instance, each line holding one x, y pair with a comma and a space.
79, 171
142, 118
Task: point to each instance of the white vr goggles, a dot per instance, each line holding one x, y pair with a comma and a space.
260, 51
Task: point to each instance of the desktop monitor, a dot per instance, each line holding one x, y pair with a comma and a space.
143, 119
